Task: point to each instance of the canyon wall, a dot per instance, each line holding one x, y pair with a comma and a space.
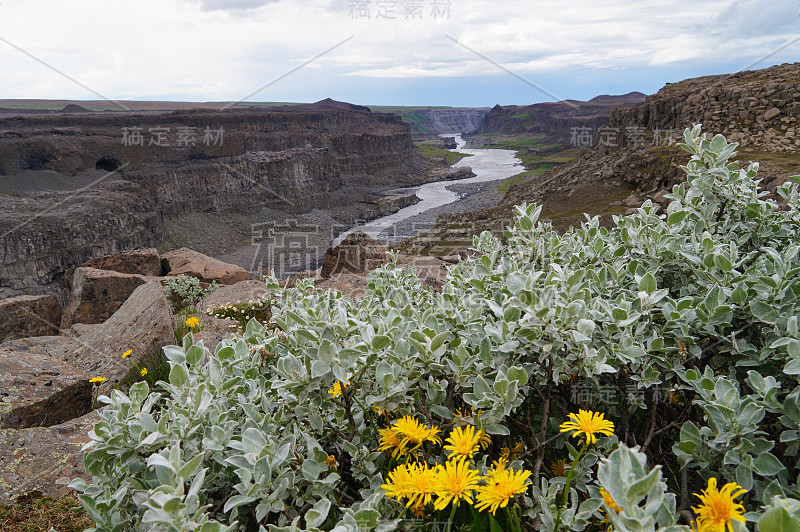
74, 187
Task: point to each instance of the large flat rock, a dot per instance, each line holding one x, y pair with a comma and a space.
44, 459
139, 261
37, 390
24, 316
143, 324
358, 253
97, 294
240, 292
185, 261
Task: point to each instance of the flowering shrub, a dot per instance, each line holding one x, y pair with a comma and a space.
680, 328
259, 310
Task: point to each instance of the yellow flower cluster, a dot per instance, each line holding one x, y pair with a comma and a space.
453, 482
97, 380
192, 322
418, 483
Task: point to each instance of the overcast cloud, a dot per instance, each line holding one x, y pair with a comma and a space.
204, 50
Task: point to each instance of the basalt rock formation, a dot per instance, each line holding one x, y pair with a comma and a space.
78, 186
552, 121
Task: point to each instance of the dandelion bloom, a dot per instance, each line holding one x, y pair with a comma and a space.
398, 485
389, 442
192, 322
421, 486
485, 439
588, 423
127, 353
412, 433
718, 507
97, 379
453, 482
143, 372
336, 391
463, 441
609, 501
502, 485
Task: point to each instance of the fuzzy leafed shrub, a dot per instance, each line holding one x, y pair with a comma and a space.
636, 378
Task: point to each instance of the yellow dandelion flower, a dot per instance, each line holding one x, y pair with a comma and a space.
718, 507
609, 501
412, 434
127, 353
559, 468
421, 486
398, 484
519, 448
389, 442
502, 485
454, 481
499, 464
588, 423
97, 379
143, 372
505, 454
336, 391
485, 439
330, 461
463, 441
192, 322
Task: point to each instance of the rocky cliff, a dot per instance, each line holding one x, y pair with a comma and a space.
552, 121
426, 121
82, 185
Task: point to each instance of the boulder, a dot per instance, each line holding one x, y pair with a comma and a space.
139, 261
242, 291
37, 390
351, 285
772, 113
185, 261
23, 316
43, 459
358, 253
143, 324
97, 294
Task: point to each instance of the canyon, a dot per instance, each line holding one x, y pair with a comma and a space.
79, 185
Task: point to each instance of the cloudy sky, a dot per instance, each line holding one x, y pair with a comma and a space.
381, 52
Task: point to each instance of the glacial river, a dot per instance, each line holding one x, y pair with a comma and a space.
486, 164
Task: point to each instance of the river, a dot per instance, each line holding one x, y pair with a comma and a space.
486, 164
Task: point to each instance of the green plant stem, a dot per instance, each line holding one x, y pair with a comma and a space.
566, 485
450, 520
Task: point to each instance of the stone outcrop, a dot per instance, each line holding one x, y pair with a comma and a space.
143, 324
242, 291
97, 294
43, 460
38, 390
24, 316
185, 261
138, 261
436, 121
358, 253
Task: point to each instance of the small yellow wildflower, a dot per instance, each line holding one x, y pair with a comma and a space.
485, 439
127, 353
336, 391
501, 486
398, 485
463, 441
421, 486
453, 482
609, 501
192, 322
97, 379
588, 423
718, 507
330, 461
143, 372
389, 442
